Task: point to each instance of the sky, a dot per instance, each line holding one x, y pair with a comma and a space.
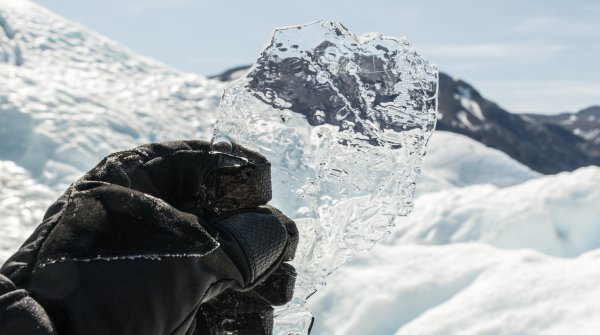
528, 56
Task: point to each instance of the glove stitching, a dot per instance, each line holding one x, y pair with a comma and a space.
155, 257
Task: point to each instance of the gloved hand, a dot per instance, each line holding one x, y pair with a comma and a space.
166, 238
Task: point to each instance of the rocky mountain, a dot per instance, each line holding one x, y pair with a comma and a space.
545, 143
545, 146
585, 123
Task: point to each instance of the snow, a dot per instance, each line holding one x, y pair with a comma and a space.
491, 247
557, 215
462, 117
477, 257
465, 96
23, 202
72, 98
455, 161
473, 107
76, 96
467, 288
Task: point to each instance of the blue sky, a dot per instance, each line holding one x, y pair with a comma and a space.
528, 56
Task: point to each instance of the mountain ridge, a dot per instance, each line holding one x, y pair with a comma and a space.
584, 123
547, 147
545, 144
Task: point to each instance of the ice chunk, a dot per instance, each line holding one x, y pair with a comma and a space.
344, 121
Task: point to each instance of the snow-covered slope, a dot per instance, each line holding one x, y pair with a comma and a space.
558, 215
460, 289
23, 202
457, 161
69, 96
462, 262
455, 266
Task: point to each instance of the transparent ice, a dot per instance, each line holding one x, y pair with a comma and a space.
344, 121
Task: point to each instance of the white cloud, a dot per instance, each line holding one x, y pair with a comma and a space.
141, 6
592, 7
542, 96
557, 25
494, 51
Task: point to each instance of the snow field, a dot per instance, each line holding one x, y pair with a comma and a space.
490, 248
464, 288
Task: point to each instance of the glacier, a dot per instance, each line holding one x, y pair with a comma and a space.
490, 248
464, 288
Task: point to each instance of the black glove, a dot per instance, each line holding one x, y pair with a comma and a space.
146, 242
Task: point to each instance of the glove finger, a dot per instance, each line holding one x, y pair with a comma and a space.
292, 232
255, 240
206, 180
238, 182
241, 313
119, 167
278, 288
190, 175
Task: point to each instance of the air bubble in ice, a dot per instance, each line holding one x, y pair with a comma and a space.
332, 54
319, 116
333, 68
351, 68
342, 114
369, 96
322, 77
